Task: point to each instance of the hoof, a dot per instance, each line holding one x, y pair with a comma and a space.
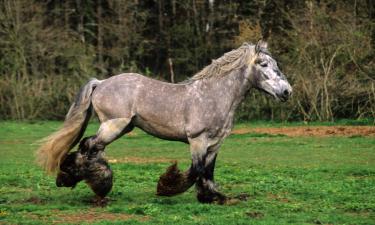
100, 201
220, 199
214, 198
173, 182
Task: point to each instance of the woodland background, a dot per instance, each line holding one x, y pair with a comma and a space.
48, 49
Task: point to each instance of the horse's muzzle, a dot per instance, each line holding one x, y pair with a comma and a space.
284, 94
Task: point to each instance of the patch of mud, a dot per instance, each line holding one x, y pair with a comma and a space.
140, 160
35, 200
278, 198
318, 131
255, 215
12, 142
89, 216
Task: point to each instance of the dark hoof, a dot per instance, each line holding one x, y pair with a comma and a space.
220, 199
215, 198
173, 182
100, 201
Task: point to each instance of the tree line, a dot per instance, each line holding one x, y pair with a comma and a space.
50, 48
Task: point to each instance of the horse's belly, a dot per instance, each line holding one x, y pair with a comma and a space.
161, 130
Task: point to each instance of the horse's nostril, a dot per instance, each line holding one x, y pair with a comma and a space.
286, 92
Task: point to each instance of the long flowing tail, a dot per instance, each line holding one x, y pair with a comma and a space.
54, 148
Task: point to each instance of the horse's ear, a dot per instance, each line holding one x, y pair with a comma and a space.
260, 45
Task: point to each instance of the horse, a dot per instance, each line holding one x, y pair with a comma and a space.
199, 111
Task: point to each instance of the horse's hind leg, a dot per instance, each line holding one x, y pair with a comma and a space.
108, 131
174, 182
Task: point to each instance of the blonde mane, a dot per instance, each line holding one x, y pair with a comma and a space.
232, 60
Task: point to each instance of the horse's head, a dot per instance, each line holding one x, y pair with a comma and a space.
266, 75
70, 171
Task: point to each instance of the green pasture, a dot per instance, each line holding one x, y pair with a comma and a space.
289, 180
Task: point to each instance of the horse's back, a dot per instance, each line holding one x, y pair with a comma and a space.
155, 106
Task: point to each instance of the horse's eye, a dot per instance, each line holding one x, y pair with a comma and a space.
263, 64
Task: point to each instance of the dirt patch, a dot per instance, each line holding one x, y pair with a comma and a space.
93, 216
255, 215
35, 200
12, 142
277, 198
140, 160
319, 131
88, 216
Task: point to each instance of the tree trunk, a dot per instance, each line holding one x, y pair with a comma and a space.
80, 25
99, 36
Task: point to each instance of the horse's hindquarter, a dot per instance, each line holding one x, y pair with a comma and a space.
154, 106
114, 97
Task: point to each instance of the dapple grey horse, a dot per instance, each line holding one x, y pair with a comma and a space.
199, 112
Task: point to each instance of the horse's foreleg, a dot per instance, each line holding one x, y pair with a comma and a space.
206, 187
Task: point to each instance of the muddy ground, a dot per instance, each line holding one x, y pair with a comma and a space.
319, 131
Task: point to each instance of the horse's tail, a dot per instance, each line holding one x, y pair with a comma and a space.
55, 147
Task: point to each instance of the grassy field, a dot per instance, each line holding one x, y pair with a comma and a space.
290, 180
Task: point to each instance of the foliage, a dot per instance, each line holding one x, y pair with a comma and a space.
49, 49
290, 180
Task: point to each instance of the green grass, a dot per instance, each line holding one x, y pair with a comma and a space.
290, 180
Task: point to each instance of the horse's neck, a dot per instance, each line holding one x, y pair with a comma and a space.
231, 89
227, 93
